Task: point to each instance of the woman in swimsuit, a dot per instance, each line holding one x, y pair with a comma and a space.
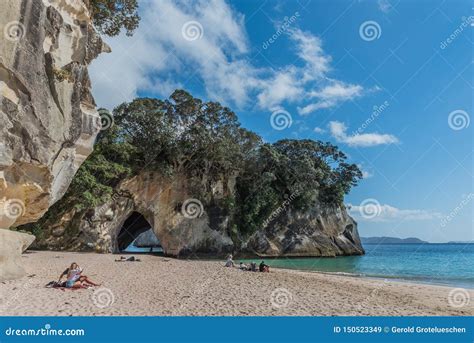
74, 279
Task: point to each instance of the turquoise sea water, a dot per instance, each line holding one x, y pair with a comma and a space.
131, 248
443, 264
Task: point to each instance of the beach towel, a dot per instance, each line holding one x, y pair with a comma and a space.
59, 285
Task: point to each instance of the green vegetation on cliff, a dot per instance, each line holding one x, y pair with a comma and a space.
111, 16
204, 140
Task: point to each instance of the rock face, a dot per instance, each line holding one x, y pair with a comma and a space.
178, 220
12, 244
188, 226
147, 239
48, 120
321, 231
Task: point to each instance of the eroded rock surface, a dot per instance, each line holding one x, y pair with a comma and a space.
12, 245
181, 222
48, 119
320, 231
187, 224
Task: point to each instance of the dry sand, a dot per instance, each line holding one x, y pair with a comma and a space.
163, 286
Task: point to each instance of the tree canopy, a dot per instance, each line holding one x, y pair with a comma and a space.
204, 140
111, 16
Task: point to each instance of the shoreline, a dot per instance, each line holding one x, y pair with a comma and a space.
334, 273
380, 278
162, 286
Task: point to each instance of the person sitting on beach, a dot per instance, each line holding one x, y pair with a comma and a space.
253, 267
74, 279
243, 266
229, 262
264, 268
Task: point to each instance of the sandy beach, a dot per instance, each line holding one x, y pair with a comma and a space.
159, 286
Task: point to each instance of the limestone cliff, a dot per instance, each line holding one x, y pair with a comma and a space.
181, 222
48, 120
188, 224
320, 231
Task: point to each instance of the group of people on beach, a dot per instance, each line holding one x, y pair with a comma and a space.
76, 279
252, 267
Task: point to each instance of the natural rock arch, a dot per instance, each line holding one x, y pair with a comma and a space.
133, 226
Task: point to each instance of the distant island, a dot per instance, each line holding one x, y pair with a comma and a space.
391, 240
461, 242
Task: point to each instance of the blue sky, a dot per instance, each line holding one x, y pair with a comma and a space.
390, 82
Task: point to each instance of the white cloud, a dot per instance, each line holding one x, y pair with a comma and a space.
157, 51
319, 130
280, 87
365, 173
339, 132
331, 95
387, 213
310, 50
157, 60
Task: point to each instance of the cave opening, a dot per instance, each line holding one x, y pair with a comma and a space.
137, 236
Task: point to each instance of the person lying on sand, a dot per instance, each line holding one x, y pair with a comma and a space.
130, 259
74, 279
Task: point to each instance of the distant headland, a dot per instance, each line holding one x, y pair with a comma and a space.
391, 240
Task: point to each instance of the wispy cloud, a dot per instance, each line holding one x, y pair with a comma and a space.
158, 59
330, 95
319, 130
366, 174
387, 213
339, 132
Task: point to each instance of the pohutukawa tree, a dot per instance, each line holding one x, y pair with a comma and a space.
204, 141
111, 16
